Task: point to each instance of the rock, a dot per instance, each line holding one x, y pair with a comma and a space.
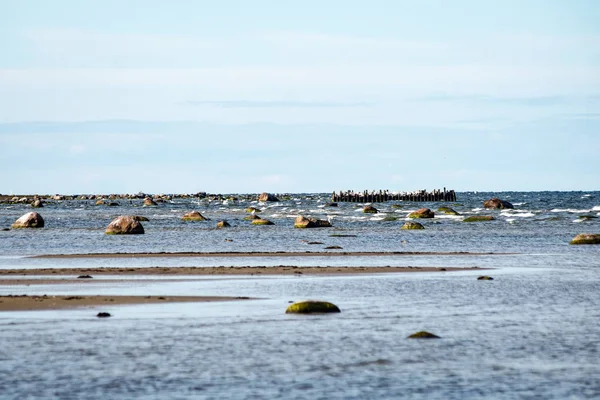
390, 218
100, 202
58, 197
586, 238
251, 217
448, 211
264, 197
333, 248
331, 204
148, 202
124, 225
479, 218
262, 221
37, 203
5, 229
370, 210
309, 222
223, 224
485, 278
113, 204
103, 315
139, 218
497, 203
409, 225
29, 220
252, 210
193, 216
84, 277
312, 306
587, 217
397, 206
422, 213
423, 335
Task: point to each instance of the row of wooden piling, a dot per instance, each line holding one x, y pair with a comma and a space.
384, 195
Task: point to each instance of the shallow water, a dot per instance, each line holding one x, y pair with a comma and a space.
532, 332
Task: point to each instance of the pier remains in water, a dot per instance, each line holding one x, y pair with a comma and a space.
385, 195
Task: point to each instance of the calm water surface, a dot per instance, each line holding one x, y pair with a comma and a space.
533, 332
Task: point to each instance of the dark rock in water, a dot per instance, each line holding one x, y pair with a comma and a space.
251, 217
333, 248
264, 197
409, 225
308, 222
148, 202
497, 203
262, 221
587, 217
423, 335
389, 218
139, 218
5, 229
223, 224
586, 238
479, 218
29, 220
252, 210
124, 225
84, 277
485, 278
332, 204
193, 216
397, 206
370, 210
422, 213
315, 243
37, 204
448, 211
103, 315
312, 306
113, 204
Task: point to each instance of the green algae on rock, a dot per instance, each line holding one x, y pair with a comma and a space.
423, 335
479, 218
312, 306
409, 225
485, 278
422, 213
448, 211
193, 216
586, 238
262, 221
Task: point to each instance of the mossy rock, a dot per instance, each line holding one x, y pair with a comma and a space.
586, 238
479, 218
251, 217
390, 218
193, 216
312, 306
262, 221
397, 206
448, 211
370, 210
586, 217
422, 213
252, 209
409, 225
485, 278
423, 335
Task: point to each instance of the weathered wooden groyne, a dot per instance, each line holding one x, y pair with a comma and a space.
385, 195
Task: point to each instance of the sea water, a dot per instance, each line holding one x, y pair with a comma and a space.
532, 332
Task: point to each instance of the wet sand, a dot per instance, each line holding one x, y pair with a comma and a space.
204, 271
265, 254
27, 303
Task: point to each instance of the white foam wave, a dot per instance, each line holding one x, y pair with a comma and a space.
596, 208
569, 210
519, 204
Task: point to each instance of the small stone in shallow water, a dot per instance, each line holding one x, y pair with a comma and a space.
84, 277
485, 278
312, 306
423, 335
103, 315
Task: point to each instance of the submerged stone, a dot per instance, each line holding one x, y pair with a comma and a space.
312, 306
479, 218
423, 335
262, 221
409, 225
485, 278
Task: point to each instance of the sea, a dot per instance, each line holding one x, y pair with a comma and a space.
533, 332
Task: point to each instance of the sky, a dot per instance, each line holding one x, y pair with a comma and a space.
312, 96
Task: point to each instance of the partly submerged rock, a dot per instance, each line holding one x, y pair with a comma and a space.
422, 213
485, 278
193, 216
479, 218
103, 315
37, 203
497, 203
309, 222
252, 210
251, 217
223, 224
124, 225
586, 238
148, 202
312, 306
423, 335
262, 221
264, 197
409, 225
140, 218
29, 220
448, 211
370, 210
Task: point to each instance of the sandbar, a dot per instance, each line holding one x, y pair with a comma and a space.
29, 303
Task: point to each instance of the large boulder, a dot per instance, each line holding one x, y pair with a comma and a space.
422, 213
497, 203
124, 225
312, 306
148, 202
264, 197
309, 222
586, 238
29, 220
193, 216
37, 203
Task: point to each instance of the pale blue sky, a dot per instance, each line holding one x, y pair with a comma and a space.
251, 96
